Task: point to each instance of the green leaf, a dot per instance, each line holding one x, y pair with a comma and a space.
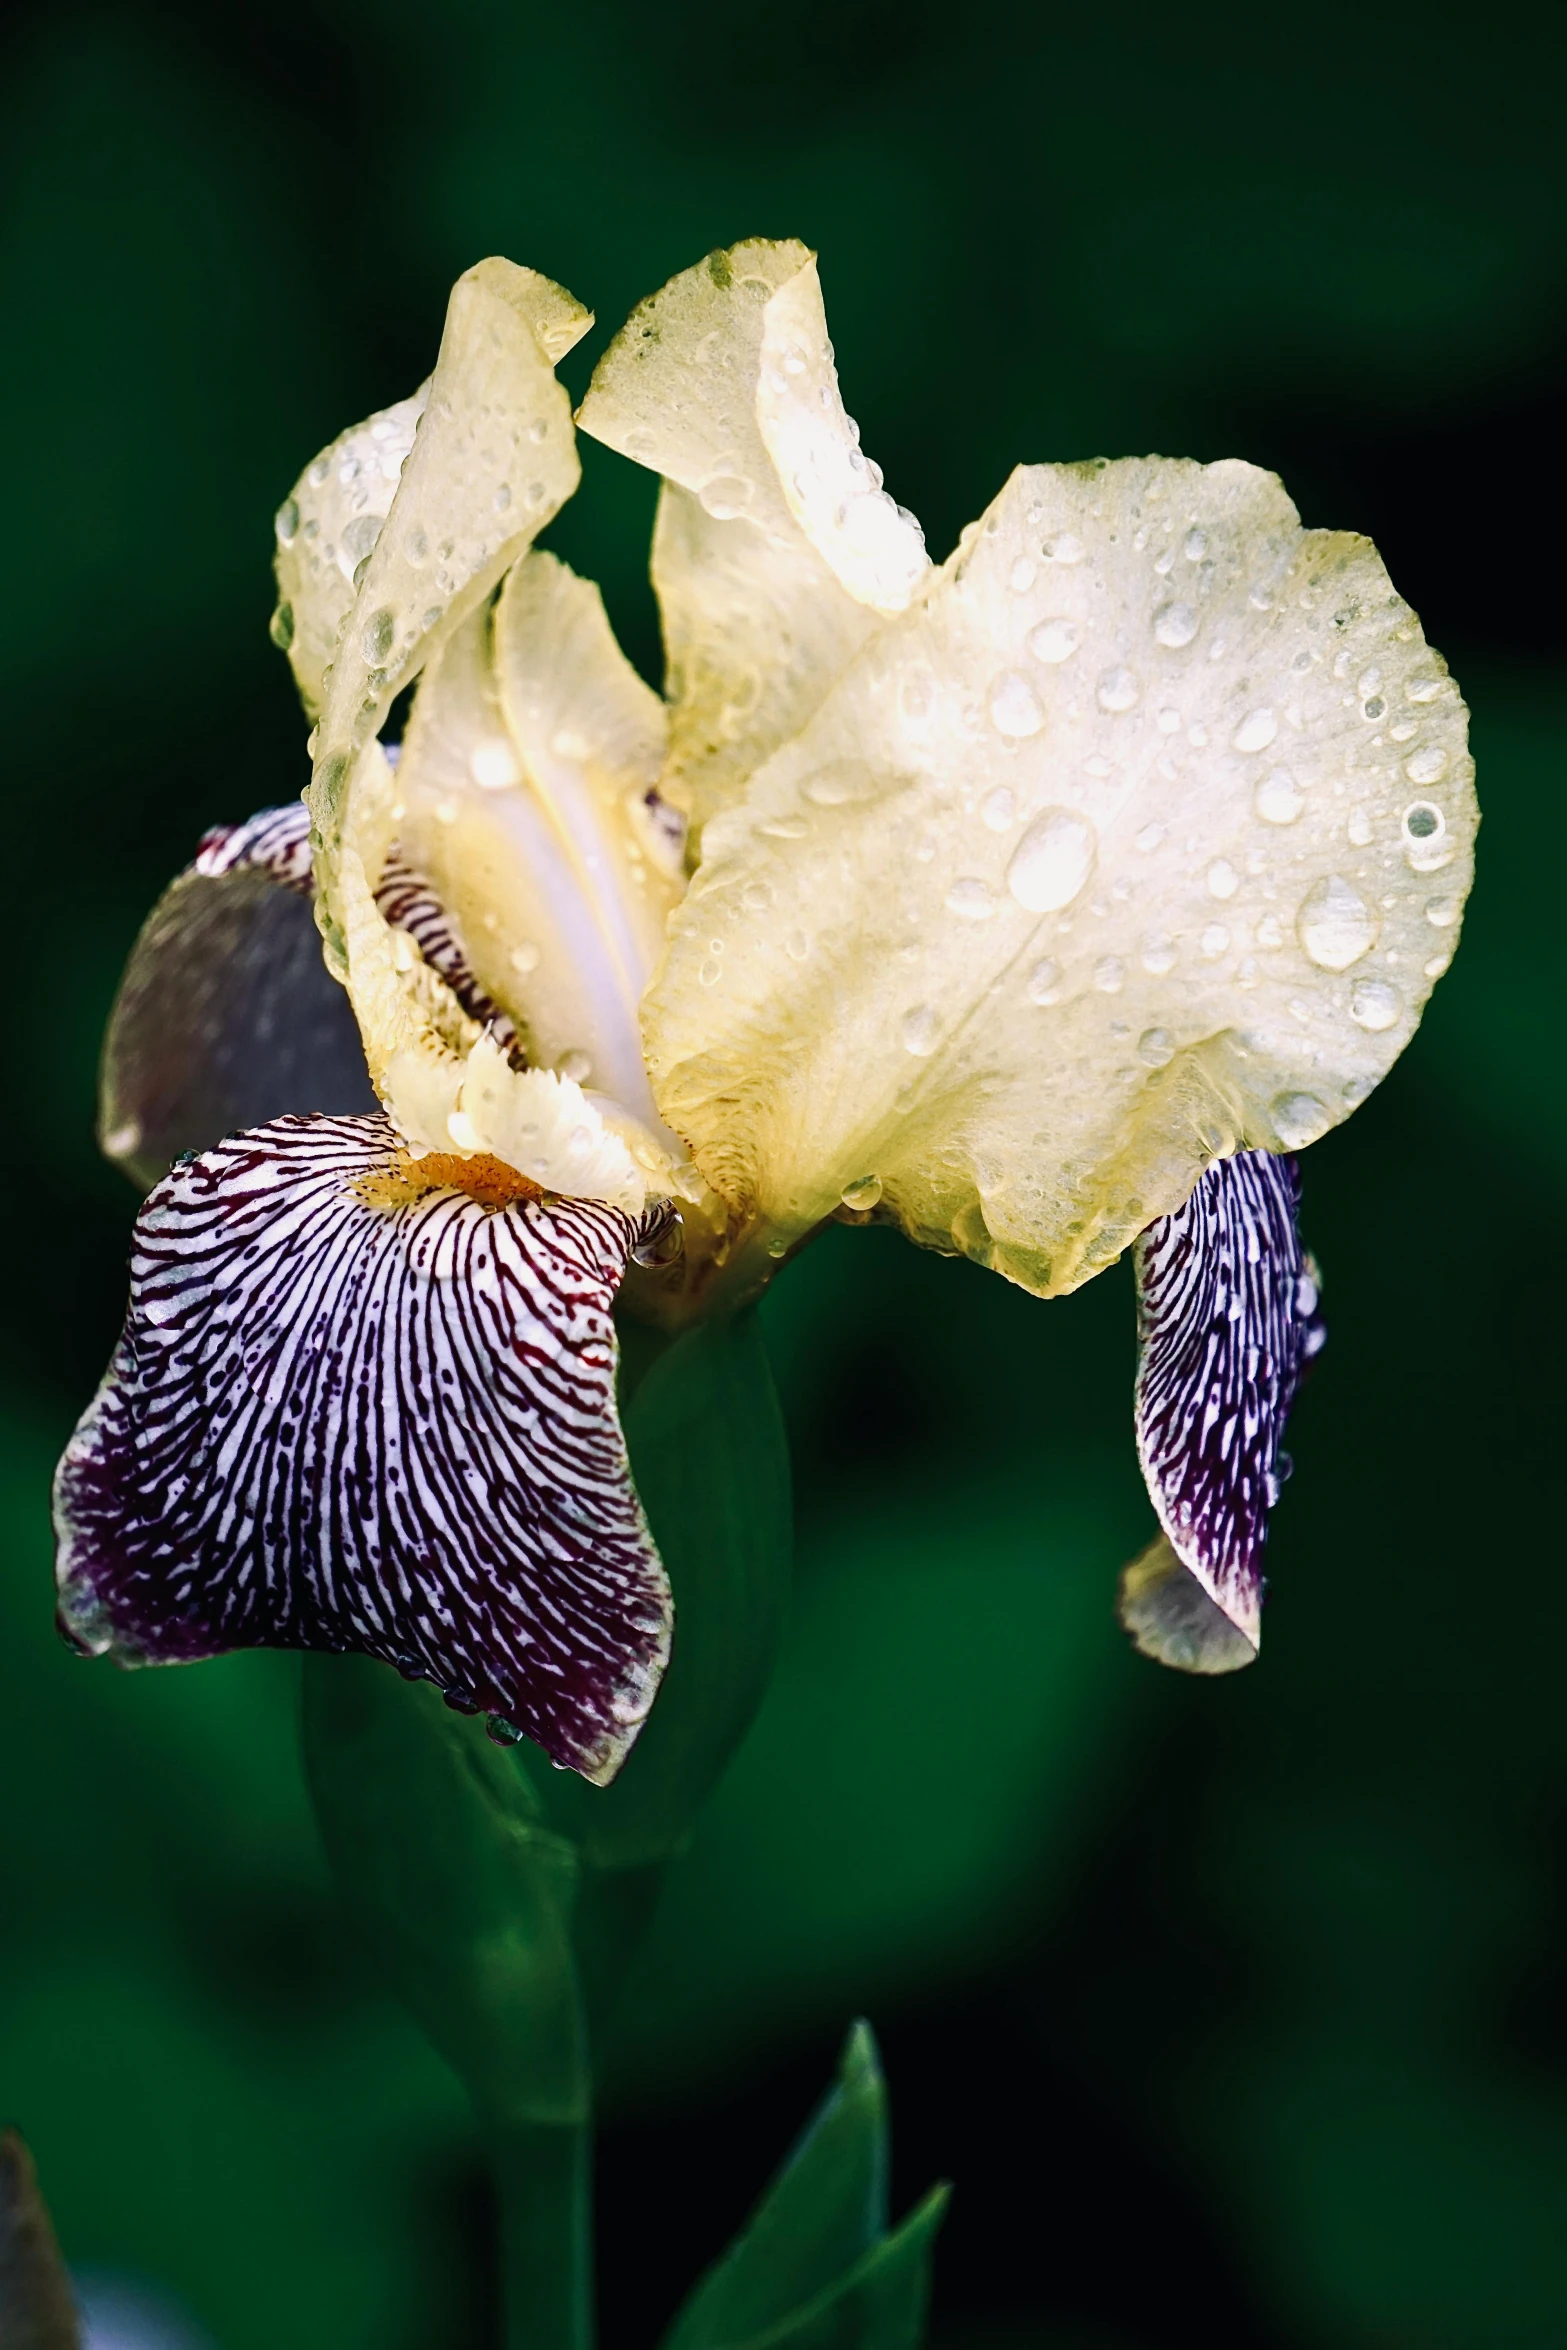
881, 2304
466, 1893
813, 2264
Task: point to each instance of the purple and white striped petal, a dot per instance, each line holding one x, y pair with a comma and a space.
227, 1015
1227, 1319
357, 1408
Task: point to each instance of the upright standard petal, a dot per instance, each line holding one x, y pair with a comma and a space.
365, 1403
1141, 837
326, 531
1227, 1319
777, 552
227, 1016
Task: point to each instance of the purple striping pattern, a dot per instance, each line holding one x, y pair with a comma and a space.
384, 1422
1227, 1319
277, 842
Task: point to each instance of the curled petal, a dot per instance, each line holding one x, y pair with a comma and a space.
1139, 838
1227, 1319
777, 551
493, 460
357, 1407
327, 528
227, 1016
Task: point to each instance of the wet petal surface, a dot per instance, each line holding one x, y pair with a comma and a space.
777, 553
1227, 1311
355, 1411
1140, 837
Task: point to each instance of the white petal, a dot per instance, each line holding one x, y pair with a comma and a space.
327, 528
1168, 972
777, 549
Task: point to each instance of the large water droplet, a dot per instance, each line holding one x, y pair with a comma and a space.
1335, 925
378, 635
1175, 626
1052, 861
286, 521
921, 1028
1374, 1005
1299, 1119
1118, 689
863, 1193
1255, 731
1279, 798
1054, 640
1014, 706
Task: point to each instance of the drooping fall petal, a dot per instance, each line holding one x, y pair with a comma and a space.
227, 1015
1140, 837
1227, 1320
777, 553
357, 1407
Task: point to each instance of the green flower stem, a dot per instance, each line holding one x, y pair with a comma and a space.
544, 2186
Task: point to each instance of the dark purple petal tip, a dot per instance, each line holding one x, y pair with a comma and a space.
352, 1411
1227, 1319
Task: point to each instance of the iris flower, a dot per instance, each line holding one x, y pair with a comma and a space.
1044, 902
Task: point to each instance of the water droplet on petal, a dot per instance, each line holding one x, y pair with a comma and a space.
1158, 954
1109, 975
1299, 1119
726, 496
921, 1028
1427, 765
1022, 576
1278, 798
1052, 861
1255, 731
1175, 626
1374, 1005
1014, 706
286, 521
1156, 1046
1214, 941
575, 1065
1335, 925
1442, 913
1223, 880
494, 765
797, 946
377, 637
756, 897
1195, 545
1044, 982
525, 958
999, 809
970, 900
281, 627
1054, 640
863, 1193
1065, 547
1118, 689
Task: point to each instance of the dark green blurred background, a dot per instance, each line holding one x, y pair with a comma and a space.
1238, 2012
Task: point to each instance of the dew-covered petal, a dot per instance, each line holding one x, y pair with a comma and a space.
1115, 853
1227, 1320
493, 460
357, 1408
326, 531
227, 1016
777, 550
